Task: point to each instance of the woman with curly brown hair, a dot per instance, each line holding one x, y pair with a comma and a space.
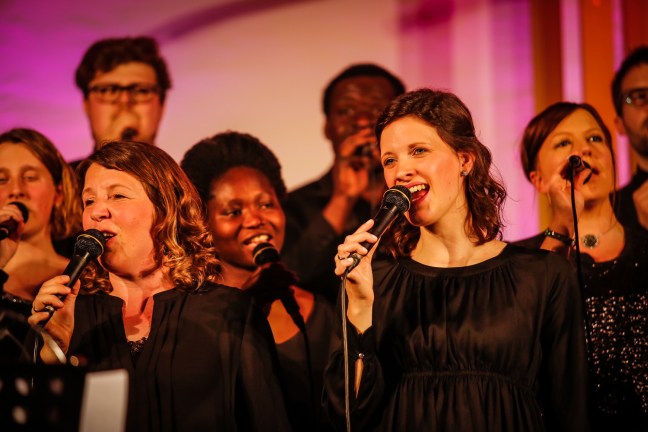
458, 331
196, 351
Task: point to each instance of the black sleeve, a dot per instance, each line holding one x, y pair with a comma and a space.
563, 379
366, 407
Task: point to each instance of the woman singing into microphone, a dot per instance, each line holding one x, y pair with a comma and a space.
458, 331
33, 173
614, 258
239, 180
197, 352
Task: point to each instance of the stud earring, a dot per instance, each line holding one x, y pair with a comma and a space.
464, 173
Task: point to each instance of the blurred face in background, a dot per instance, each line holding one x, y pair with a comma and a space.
634, 119
113, 110
24, 178
243, 210
356, 104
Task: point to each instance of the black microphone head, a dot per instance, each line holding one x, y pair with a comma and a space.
90, 241
264, 253
398, 196
128, 134
575, 161
23, 209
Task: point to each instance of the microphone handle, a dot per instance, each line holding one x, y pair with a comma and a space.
73, 269
383, 218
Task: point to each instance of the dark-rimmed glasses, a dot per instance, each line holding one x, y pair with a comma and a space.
637, 97
138, 93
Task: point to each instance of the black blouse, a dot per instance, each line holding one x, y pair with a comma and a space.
496, 346
209, 362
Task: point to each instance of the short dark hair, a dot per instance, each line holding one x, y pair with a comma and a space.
452, 120
212, 157
106, 54
637, 57
544, 123
358, 70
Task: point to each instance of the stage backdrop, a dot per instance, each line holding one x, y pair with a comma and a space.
260, 67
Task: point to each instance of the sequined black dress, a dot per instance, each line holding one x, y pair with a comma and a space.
496, 346
616, 293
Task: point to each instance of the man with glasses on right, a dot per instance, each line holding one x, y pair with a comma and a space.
630, 97
124, 83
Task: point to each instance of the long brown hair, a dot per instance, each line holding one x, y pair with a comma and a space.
65, 220
452, 120
181, 238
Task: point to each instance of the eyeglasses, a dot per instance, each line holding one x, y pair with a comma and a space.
138, 93
637, 97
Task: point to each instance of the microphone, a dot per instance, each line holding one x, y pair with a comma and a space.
89, 245
396, 201
577, 165
8, 227
128, 134
264, 253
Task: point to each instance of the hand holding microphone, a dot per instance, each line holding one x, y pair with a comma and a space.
396, 201
89, 246
10, 226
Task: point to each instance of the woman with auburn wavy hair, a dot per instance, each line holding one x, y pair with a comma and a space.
613, 260
457, 331
196, 351
33, 174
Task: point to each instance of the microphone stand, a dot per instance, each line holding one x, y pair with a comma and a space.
579, 266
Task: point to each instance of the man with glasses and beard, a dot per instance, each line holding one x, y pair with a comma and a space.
630, 97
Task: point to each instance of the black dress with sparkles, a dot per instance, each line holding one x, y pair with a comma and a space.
496, 346
208, 364
616, 293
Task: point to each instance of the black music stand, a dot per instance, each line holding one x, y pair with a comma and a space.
40, 397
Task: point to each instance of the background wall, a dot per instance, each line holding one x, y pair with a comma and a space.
260, 67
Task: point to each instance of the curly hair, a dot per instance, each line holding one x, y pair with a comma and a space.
360, 70
544, 123
484, 193
182, 241
106, 54
65, 220
212, 157
636, 58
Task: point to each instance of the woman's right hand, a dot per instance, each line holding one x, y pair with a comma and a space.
61, 324
9, 245
359, 285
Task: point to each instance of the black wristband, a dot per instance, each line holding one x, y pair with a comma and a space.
568, 241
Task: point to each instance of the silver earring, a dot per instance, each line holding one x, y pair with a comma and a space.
464, 173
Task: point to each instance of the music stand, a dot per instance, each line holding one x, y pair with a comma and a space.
40, 396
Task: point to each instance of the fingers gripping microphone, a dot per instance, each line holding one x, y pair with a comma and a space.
264, 253
395, 202
10, 226
89, 245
